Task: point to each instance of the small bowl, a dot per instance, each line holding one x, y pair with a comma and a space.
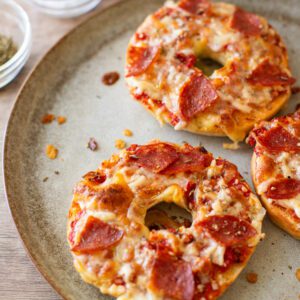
14, 23
65, 8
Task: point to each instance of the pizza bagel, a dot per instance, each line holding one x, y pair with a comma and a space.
167, 68
115, 251
275, 169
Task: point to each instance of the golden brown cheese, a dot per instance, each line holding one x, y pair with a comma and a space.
114, 250
162, 72
276, 169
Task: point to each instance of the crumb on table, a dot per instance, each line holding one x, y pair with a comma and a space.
127, 132
251, 277
61, 120
51, 151
120, 144
48, 118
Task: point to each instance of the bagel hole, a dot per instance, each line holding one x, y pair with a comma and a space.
167, 216
208, 65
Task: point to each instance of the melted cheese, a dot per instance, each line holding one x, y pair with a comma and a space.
208, 37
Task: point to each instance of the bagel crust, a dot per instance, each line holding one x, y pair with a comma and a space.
162, 73
275, 169
115, 251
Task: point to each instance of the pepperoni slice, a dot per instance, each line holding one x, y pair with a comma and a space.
97, 235
189, 160
196, 7
285, 188
267, 74
278, 139
172, 277
140, 59
246, 23
228, 230
196, 96
155, 157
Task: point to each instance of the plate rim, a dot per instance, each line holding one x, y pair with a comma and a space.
60, 292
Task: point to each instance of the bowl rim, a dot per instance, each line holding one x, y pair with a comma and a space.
27, 34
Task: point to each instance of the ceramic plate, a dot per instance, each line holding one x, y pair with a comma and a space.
67, 82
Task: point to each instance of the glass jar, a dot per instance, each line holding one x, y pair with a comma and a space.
14, 24
65, 8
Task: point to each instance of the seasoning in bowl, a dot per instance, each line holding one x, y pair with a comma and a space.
7, 49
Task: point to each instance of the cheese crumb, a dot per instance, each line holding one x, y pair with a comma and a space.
51, 151
61, 120
298, 274
127, 132
251, 277
48, 118
120, 144
231, 146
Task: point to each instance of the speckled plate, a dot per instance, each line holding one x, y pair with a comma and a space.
68, 82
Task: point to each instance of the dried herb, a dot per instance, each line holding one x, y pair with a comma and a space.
7, 49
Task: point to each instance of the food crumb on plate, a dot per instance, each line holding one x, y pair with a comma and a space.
298, 274
110, 78
61, 120
251, 277
127, 132
92, 144
231, 146
48, 118
51, 151
120, 144
295, 90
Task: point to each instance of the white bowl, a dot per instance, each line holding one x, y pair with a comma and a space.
14, 23
65, 8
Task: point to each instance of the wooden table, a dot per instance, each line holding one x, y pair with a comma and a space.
18, 277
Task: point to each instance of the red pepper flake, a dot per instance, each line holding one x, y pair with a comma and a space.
295, 90
110, 78
95, 177
92, 144
48, 118
141, 36
119, 281
251, 277
188, 60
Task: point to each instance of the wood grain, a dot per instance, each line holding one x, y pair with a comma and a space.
18, 277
